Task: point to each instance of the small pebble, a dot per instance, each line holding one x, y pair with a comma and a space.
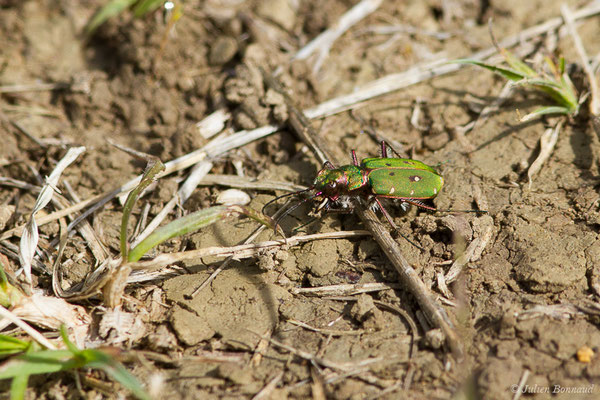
223, 50
233, 196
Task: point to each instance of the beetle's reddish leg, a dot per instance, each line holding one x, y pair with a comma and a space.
383, 149
328, 165
389, 218
414, 202
354, 158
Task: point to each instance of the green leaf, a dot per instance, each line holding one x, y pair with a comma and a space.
9, 295
11, 345
18, 386
153, 168
114, 7
146, 6
70, 345
39, 362
191, 223
48, 361
509, 74
546, 110
516, 64
118, 372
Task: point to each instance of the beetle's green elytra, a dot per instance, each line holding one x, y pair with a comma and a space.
402, 178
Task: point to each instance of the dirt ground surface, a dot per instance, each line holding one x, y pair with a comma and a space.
526, 308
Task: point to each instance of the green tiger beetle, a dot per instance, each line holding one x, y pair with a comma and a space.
409, 181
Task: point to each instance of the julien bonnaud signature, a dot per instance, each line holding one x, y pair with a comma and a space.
554, 389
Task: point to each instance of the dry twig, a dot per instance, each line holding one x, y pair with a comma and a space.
585, 61
240, 251
325, 40
408, 276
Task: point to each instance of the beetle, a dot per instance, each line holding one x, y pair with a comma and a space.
373, 179
404, 179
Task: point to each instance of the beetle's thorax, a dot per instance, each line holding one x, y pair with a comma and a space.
332, 183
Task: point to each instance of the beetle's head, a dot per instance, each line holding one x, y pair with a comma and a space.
330, 183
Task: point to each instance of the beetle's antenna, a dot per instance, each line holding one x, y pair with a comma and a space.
420, 204
391, 221
295, 206
463, 211
285, 195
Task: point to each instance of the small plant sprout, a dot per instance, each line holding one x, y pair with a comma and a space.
554, 83
139, 7
557, 85
189, 223
27, 358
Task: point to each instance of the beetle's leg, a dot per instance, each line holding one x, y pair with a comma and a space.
389, 218
420, 204
383, 149
414, 202
354, 158
328, 165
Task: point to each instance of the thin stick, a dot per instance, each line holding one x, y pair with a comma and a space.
344, 289
585, 61
240, 251
243, 182
38, 337
34, 87
29, 135
319, 360
408, 276
325, 40
332, 332
266, 392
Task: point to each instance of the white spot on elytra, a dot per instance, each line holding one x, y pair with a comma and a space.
392, 190
434, 190
417, 178
412, 192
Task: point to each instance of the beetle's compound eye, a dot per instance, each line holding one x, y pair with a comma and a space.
332, 185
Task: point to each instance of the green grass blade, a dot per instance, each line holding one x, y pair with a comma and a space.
18, 386
189, 223
117, 372
70, 345
545, 111
39, 362
146, 6
9, 295
112, 8
561, 96
561, 66
48, 361
10, 345
192, 222
154, 168
506, 73
519, 66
